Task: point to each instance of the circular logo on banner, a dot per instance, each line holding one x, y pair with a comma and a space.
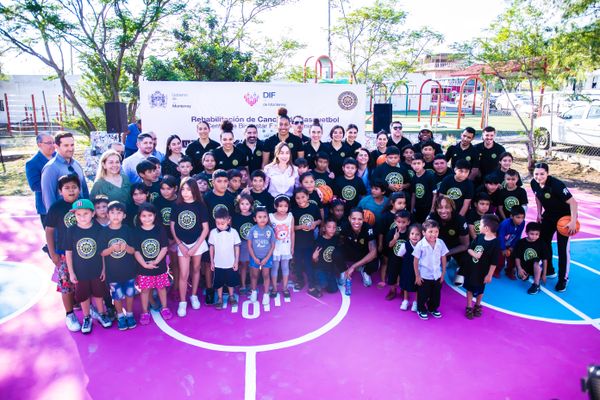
348, 193
186, 219
150, 248
306, 220
454, 193
166, 215
86, 248
69, 219
478, 249
328, 253
394, 178
116, 254
347, 100
218, 207
235, 163
530, 254
244, 229
510, 202
419, 190
319, 182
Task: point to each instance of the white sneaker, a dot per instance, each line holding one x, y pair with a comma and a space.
195, 302
94, 313
266, 299
404, 305
182, 309
366, 279
73, 323
459, 280
254, 296
414, 307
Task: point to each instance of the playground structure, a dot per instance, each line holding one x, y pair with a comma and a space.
319, 62
28, 114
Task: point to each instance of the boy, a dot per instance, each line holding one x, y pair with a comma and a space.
509, 234
185, 167
491, 186
324, 259
146, 170
85, 263
302, 165
58, 220
224, 250
139, 195
235, 181
430, 268
423, 185
531, 257
219, 197
349, 187
482, 207
261, 244
458, 187
101, 209
376, 202
259, 193
158, 165
395, 176
321, 170
395, 237
120, 265
440, 169
428, 151
484, 252
511, 195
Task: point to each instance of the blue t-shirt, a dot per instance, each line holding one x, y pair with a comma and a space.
131, 139
262, 239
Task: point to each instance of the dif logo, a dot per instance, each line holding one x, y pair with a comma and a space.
268, 95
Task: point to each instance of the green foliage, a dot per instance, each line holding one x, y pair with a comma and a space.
77, 123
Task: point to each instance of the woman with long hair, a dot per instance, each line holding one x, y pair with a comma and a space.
110, 179
281, 174
173, 155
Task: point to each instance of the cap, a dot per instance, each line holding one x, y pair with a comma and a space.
82, 204
426, 130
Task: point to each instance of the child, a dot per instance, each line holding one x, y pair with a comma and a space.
491, 186
407, 271
58, 220
440, 169
395, 238
324, 257
100, 203
509, 233
423, 185
484, 252
376, 202
224, 257
512, 194
235, 181
307, 182
151, 246
139, 195
505, 161
261, 244
219, 196
387, 222
259, 193
321, 170
395, 176
307, 218
243, 222
407, 155
430, 267
185, 167
282, 222
458, 187
84, 262
349, 187
158, 171
189, 227
121, 269
203, 183
146, 170
531, 257
302, 165
336, 211
428, 151
165, 204
245, 178
482, 207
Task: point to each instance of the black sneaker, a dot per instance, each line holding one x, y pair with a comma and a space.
561, 285
86, 326
534, 289
436, 314
210, 297
423, 315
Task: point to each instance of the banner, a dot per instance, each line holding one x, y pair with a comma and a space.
176, 107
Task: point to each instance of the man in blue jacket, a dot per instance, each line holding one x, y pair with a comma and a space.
33, 171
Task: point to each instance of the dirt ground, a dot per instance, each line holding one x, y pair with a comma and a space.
584, 178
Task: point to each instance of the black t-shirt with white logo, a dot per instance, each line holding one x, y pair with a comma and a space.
242, 224
392, 175
328, 247
165, 208
305, 217
254, 156
473, 218
148, 244
349, 190
153, 191
337, 157
61, 219
188, 219
489, 158
423, 187
393, 253
214, 202
477, 269
457, 191
264, 199
322, 178
456, 152
553, 196
84, 245
452, 230
530, 252
120, 266
293, 141
238, 159
511, 198
310, 154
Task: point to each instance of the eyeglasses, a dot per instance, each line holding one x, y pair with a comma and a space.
397, 128
298, 122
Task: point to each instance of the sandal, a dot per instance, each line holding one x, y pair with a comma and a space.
273, 293
477, 311
391, 295
469, 312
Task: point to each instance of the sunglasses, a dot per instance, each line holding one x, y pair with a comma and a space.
298, 122
397, 128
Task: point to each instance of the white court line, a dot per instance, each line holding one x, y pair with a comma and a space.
35, 299
250, 378
588, 215
592, 270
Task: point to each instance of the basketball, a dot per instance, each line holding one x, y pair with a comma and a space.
325, 193
561, 226
381, 159
369, 217
507, 253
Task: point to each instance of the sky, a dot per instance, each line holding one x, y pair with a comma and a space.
306, 21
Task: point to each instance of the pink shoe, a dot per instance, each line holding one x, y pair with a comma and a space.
145, 319
166, 314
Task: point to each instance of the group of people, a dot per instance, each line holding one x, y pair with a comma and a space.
289, 212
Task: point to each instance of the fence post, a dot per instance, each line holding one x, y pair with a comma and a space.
35, 127
9, 130
60, 111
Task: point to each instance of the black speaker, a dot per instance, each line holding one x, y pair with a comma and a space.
116, 117
382, 117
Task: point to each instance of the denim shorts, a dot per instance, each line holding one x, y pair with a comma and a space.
120, 290
268, 264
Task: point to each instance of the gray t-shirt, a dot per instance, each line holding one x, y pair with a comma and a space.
261, 240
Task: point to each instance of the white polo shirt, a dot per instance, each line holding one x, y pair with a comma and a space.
224, 243
430, 258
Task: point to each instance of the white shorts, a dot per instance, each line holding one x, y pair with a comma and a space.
203, 248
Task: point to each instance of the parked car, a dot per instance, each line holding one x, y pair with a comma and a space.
579, 126
521, 103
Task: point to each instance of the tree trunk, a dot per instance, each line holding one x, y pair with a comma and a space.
70, 95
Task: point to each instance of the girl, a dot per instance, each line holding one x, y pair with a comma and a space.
381, 142
189, 226
151, 246
282, 222
198, 148
339, 150
336, 211
315, 144
351, 135
139, 195
395, 238
172, 157
307, 182
261, 244
407, 271
242, 222
359, 249
164, 205
386, 223
504, 164
364, 170
408, 155
281, 174
208, 164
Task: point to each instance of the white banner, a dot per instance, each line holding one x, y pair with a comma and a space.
176, 107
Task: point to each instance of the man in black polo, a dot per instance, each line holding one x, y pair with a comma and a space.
252, 147
396, 138
489, 152
464, 150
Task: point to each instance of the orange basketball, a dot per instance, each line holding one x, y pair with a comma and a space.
561, 226
325, 193
369, 217
381, 159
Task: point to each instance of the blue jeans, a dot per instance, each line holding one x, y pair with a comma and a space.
303, 263
327, 280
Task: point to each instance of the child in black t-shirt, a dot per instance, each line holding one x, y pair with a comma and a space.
151, 246
336, 212
120, 265
512, 194
184, 167
394, 239
349, 187
259, 193
473, 217
324, 257
139, 195
235, 181
531, 257
484, 251
164, 205
458, 187
407, 271
307, 181
302, 165
58, 220
85, 265
307, 218
422, 185
321, 170
146, 170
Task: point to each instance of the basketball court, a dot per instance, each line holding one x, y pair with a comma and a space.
335, 347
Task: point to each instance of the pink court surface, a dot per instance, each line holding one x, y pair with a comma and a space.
336, 347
